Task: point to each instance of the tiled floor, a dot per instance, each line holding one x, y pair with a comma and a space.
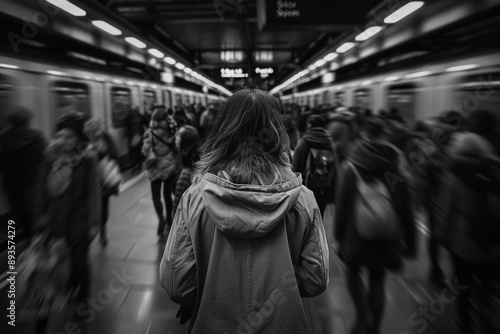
127, 298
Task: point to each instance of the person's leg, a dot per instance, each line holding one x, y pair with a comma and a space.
156, 193
464, 276
436, 274
104, 217
168, 190
357, 291
376, 297
81, 266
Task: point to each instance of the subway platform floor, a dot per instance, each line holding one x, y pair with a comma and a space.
126, 297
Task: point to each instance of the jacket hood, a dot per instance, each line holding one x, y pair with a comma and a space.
318, 138
245, 210
374, 157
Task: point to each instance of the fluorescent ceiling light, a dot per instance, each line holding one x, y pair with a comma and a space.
135, 42
304, 72
130, 83
105, 26
417, 74
403, 12
366, 83
180, 66
116, 81
154, 86
319, 63
68, 7
461, 68
345, 47
56, 73
9, 66
311, 67
157, 53
368, 33
169, 60
188, 70
330, 56
101, 79
392, 78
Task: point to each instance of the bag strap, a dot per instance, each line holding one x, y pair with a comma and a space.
356, 173
169, 145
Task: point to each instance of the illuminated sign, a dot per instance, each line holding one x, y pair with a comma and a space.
233, 73
264, 72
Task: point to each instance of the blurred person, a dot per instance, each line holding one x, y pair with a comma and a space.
341, 125
247, 241
105, 151
161, 163
293, 133
22, 153
207, 120
374, 223
315, 157
470, 226
136, 123
69, 200
181, 117
187, 143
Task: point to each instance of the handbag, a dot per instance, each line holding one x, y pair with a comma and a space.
110, 173
151, 158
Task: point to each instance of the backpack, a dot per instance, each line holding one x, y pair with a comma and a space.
320, 169
374, 215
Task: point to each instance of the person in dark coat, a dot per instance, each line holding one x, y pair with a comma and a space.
136, 123
22, 154
187, 142
470, 226
104, 148
315, 137
69, 199
373, 159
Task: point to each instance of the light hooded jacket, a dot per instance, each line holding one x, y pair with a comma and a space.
242, 256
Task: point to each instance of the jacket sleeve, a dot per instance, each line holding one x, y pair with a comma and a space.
147, 143
178, 266
312, 270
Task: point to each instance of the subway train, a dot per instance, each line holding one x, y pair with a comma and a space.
417, 92
50, 90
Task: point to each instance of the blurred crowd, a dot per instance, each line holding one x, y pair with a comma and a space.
445, 169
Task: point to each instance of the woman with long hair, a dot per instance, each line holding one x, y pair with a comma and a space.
247, 242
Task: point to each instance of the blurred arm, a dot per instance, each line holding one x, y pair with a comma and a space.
312, 269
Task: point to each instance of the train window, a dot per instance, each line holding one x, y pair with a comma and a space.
340, 98
149, 101
120, 106
478, 91
403, 98
363, 98
178, 100
70, 96
8, 88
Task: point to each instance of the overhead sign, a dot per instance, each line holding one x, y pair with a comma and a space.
332, 13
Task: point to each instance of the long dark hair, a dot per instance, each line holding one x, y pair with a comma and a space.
248, 143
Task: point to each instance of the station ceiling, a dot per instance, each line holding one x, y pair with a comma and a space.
245, 34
